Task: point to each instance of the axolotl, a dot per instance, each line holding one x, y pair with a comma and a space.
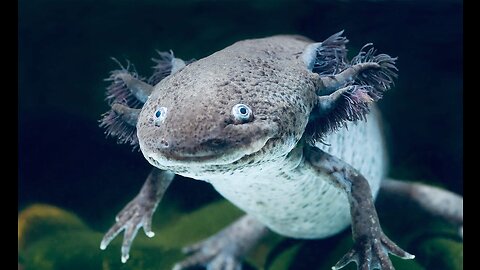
285, 128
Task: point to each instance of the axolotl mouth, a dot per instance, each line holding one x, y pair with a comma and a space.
228, 145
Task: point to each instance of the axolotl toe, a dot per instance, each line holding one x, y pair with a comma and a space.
283, 127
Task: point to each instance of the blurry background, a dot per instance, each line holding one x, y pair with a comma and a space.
64, 55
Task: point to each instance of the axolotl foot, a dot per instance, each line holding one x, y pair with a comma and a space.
372, 253
226, 249
135, 215
138, 212
213, 253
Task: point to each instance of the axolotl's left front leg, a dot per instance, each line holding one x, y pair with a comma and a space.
138, 212
371, 245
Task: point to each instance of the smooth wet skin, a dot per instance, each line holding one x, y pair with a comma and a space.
265, 122
200, 123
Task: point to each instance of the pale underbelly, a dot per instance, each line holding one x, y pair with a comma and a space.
306, 207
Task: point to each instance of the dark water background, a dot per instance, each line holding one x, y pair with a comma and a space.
64, 55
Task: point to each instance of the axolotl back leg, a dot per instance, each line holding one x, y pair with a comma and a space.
225, 250
436, 201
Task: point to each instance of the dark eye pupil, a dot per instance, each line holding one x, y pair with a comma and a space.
243, 110
158, 113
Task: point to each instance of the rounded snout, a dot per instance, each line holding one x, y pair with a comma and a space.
225, 144
184, 149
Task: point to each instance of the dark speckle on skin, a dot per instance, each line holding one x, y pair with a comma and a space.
249, 163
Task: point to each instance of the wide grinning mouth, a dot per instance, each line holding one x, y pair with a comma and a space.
193, 157
220, 147
226, 156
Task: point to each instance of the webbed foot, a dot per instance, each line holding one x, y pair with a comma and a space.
138, 212
226, 249
372, 253
215, 253
371, 245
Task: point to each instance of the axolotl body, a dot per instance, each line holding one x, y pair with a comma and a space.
283, 127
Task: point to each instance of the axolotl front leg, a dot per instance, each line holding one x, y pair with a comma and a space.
126, 95
224, 250
138, 212
371, 245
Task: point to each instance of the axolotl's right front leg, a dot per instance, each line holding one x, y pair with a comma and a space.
223, 250
126, 95
138, 212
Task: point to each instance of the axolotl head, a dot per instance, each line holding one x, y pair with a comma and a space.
249, 103
235, 106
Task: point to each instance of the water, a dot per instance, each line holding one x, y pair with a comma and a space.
64, 55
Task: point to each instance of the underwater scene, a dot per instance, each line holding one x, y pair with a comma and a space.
86, 149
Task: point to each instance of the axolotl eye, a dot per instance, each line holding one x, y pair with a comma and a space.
160, 115
242, 113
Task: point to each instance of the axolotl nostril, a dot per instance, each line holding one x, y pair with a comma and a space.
283, 127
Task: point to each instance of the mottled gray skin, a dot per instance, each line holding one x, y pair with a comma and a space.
268, 165
265, 74
260, 166
253, 164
